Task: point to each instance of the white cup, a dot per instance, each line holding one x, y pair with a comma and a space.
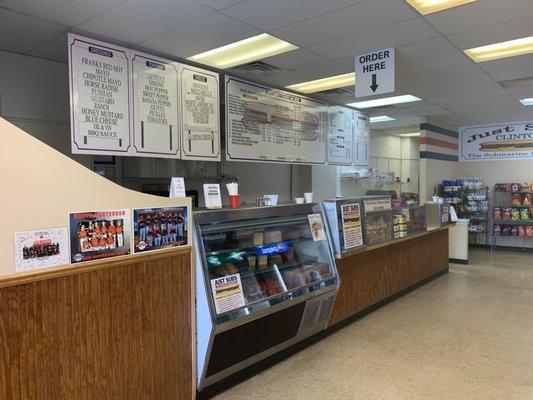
308, 197
299, 200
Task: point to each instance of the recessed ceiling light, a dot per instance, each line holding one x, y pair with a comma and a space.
382, 118
244, 51
386, 101
527, 102
414, 134
511, 48
430, 6
319, 85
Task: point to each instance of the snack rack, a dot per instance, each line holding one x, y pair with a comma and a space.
470, 198
512, 215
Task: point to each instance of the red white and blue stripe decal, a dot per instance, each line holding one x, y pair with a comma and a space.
437, 143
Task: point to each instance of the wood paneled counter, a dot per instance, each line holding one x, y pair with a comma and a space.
119, 328
376, 274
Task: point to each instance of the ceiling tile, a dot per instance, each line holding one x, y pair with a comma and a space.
299, 58
346, 21
205, 34
66, 12
479, 14
475, 97
21, 33
395, 35
512, 74
55, 49
443, 61
508, 63
427, 48
273, 14
452, 86
307, 74
492, 34
218, 4
139, 20
460, 72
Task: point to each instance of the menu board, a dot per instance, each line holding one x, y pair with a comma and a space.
200, 110
99, 101
155, 106
351, 225
361, 139
265, 124
340, 135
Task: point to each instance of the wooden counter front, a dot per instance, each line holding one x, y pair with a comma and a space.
379, 272
119, 328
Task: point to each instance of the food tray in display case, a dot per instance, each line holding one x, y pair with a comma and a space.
344, 219
256, 268
378, 221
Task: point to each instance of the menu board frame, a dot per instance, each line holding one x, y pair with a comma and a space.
272, 158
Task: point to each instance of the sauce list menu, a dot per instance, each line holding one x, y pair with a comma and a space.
265, 124
340, 135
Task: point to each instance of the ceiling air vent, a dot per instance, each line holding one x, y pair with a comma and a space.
256, 68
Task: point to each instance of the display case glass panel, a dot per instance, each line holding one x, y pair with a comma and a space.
378, 222
258, 260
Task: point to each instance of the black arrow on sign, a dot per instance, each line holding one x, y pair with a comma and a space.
374, 85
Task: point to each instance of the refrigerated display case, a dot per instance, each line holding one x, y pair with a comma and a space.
378, 221
266, 279
344, 219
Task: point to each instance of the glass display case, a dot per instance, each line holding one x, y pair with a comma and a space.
378, 221
437, 214
416, 221
259, 269
344, 219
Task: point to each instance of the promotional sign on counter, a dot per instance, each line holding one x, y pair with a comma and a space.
265, 124
157, 228
155, 106
212, 197
227, 293
361, 139
508, 141
40, 249
177, 187
99, 234
200, 109
351, 225
381, 204
340, 135
316, 224
99, 97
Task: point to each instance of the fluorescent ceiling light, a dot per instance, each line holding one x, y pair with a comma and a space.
382, 118
527, 102
244, 51
430, 6
319, 85
511, 48
410, 134
386, 101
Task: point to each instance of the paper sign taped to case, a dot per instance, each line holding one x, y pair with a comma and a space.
227, 293
317, 227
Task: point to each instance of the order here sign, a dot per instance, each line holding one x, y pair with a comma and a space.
374, 73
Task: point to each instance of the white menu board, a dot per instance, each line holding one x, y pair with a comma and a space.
265, 124
340, 135
99, 100
200, 111
155, 106
361, 139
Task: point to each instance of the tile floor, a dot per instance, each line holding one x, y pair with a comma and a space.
466, 335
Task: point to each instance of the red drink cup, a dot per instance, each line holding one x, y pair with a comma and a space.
234, 201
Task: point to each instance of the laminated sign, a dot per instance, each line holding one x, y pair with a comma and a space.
374, 73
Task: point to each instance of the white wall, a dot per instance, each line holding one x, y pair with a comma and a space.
34, 96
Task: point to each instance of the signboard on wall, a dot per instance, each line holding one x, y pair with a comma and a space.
128, 103
155, 106
271, 125
374, 73
99, 97
340, 135
507, 141
200, 110
361, 139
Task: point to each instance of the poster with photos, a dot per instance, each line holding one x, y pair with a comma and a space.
40, 248
99, 234
158, 228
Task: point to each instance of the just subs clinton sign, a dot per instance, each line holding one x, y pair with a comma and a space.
507, 141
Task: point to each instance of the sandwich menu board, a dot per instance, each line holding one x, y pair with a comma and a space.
340, 135
200, 110
507, 141
265, 124
99, 97
361, 139
155, 106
